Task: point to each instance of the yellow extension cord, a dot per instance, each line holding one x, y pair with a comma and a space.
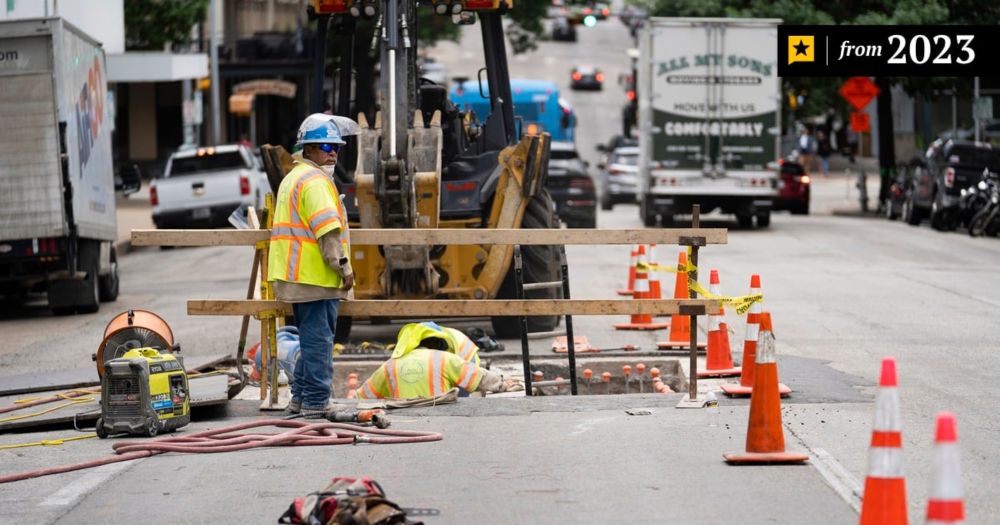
47, 442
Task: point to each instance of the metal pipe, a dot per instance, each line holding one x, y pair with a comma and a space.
213, 42
975, 110
693, 363
570, 342
519, 281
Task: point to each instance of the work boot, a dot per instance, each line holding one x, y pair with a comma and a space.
316, 412
294, 406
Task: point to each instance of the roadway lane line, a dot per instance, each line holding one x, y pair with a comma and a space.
74, 491
834, 473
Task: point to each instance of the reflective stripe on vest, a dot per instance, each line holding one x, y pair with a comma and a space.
469, 373
435, 378
392, 378
366, 392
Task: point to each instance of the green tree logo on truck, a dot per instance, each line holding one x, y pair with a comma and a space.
90, 112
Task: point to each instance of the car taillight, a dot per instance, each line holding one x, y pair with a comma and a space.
599, 77
153, 199
587, 10
585, 183
949, 177
577, 76
606, 11
615, 171
244, 185
630, 95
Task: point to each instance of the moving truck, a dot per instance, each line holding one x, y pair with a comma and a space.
709, 114
57, 186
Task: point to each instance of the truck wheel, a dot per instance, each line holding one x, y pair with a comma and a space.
648, 215
540, 265
745, 220
90, 261
764, 220
108, 284
343, 331
606, 203
911, 214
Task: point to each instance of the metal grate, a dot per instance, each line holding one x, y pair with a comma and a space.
123, 397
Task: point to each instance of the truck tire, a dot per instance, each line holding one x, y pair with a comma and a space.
764, 219
647, 214
342, 334
108, 284
745, 220
90, 261
606, 203
540, 265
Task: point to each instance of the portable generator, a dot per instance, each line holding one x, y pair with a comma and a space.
143, 392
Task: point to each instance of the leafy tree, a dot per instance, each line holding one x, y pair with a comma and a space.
153, 24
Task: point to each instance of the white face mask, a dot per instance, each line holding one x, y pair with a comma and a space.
328, 169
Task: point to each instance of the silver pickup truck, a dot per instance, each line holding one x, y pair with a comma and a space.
201, 187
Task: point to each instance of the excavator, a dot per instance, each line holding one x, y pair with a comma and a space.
418, 161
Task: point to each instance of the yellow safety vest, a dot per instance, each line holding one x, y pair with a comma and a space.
420, 373
306, 208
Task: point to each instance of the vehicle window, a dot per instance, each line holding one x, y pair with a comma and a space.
975, 156
563, 154
219, 161
628, 160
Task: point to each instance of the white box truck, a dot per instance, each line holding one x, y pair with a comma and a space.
709, 114
57, 186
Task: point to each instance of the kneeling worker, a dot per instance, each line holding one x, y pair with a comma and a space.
426, 363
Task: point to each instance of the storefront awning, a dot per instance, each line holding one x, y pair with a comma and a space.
156, 67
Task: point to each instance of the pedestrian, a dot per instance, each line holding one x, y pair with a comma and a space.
823, 149
309, 258
853, 137
807, 148
427, 362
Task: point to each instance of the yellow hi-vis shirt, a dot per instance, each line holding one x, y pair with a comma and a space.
306, 208
412, 334
421, 373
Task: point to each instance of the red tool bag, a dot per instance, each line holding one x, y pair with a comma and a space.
346, 501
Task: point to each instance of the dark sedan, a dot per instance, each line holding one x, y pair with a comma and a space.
794, 190
586, 77
949, 166
571, 187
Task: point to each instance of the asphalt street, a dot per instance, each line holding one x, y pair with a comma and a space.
845, 290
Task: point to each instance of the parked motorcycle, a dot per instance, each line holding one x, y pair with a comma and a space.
980, 205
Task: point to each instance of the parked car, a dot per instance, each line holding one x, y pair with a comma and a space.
619, 177
563, 30
950, 167
793, 187
601, 11
571, 186
201, 187
586, 77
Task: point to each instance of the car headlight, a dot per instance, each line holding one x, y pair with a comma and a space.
982, 185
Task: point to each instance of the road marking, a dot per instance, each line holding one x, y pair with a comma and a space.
840, 480
74, 491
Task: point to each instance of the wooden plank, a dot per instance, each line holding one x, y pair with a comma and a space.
468, 307
444, 236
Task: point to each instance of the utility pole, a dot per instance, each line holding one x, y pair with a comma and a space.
213, 42
975, 107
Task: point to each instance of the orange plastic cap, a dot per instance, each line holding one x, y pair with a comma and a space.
588, 373
606, 377
627, 370
640, 368
655, 372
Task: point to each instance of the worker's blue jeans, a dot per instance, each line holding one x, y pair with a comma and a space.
317, 321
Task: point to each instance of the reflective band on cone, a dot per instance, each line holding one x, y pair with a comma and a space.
719, 359
945, 498
884, 499
765, 434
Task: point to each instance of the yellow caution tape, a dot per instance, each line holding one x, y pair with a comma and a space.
741, 303
47, 442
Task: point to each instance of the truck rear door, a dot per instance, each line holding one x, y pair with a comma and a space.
201, 181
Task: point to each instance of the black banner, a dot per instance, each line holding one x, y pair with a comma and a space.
901, 51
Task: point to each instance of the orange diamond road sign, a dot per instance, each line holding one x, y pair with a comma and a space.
860, 121
859, 91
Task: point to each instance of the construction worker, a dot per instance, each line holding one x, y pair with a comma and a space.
308, 260
424, 365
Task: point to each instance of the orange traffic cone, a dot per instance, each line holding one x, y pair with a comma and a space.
633, 259
944, 499
680, 325
745, 386
719, 361
765, 435
654, 275
641, 321
884, 500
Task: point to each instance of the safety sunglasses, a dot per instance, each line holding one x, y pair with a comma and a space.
328, 148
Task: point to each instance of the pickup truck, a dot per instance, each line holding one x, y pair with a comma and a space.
201, 187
